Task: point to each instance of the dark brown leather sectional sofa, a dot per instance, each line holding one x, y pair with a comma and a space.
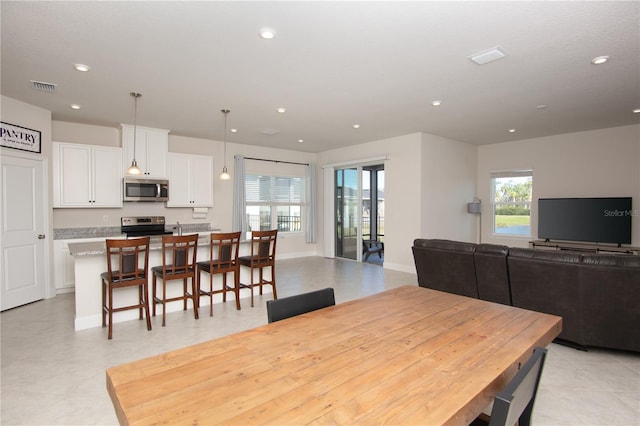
598, 296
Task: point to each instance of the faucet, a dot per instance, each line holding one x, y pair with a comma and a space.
179, 228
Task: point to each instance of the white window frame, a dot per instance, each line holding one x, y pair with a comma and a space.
495, 204
274, 204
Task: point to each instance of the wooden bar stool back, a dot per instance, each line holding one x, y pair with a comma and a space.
178, 263
127, 266
223, 258
263, 255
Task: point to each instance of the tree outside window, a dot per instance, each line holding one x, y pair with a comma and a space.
512, 194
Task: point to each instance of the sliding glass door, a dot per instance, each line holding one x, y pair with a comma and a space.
347, 212
373, 203
359, 212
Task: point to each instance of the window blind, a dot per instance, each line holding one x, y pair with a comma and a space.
274, 189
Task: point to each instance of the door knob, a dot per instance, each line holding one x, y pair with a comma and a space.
41, 237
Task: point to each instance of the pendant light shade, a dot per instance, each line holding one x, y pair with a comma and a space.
225, 174
134, 169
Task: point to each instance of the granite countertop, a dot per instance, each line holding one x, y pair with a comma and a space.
93, 248
79, 233
115, 232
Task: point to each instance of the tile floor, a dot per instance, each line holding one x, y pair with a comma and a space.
52, 375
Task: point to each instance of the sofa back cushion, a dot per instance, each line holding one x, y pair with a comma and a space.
548, 281
611, 301
446, 265
492, 273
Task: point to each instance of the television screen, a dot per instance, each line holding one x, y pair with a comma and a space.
597, 220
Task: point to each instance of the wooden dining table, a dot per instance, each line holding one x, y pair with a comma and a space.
409, 355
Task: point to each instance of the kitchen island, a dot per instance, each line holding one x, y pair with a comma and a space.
90, 261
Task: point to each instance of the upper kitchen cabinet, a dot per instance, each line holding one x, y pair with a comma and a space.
190, 180
152, 146
86, 175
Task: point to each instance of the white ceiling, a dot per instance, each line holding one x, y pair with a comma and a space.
331, 65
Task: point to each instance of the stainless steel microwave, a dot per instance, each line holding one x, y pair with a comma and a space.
145, 189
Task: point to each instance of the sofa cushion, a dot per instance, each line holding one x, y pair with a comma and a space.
445, 245
612, 260
492, 273
548, 281
446, 266
610, 297
550, 255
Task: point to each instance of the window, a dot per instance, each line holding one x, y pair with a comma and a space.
274, 202
511, 202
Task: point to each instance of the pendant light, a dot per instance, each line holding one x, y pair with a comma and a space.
225, 174
134, 169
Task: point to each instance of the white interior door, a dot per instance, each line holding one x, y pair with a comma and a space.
23, 244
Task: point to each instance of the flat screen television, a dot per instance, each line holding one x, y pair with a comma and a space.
596, 220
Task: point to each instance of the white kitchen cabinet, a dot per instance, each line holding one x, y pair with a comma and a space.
152, 146
190, 180
86, 176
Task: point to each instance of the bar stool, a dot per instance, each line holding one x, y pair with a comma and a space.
178, 263
127, 266
223, 258
263, 255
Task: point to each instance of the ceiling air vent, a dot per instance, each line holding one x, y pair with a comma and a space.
45, 87
490, 55
270, 132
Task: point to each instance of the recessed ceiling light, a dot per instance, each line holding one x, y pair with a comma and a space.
599, 60
512, 130
636, 111
282, 110
541, 106
75, 106
82, 67
356, 126
267, 34
234, 130
436, 103
300, 140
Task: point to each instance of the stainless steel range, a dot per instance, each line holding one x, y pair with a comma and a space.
142, 226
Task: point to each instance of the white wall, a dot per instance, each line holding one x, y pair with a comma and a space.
448, 184
85, 134
402, 192
598, 163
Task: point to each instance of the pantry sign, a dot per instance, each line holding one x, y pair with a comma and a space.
18, 137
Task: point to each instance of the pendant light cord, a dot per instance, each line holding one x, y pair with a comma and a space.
134, 169
225, 174
224, 135
135, 121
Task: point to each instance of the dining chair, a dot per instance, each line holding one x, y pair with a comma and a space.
127, 266
515, 402
291, 306
178, 263
263, 256
223, 258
